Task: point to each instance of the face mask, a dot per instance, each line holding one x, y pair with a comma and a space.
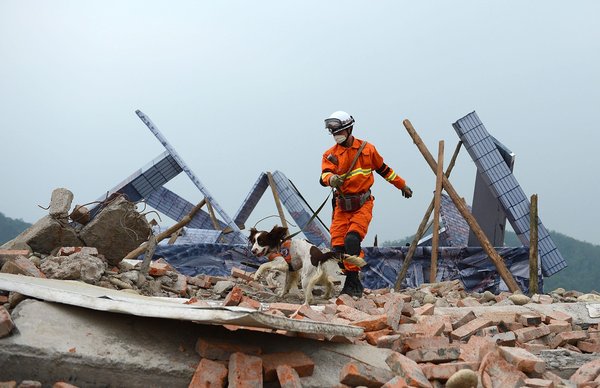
340, 138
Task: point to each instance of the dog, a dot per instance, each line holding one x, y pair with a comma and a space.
298, 259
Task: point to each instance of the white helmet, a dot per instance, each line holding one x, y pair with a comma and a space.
338, 121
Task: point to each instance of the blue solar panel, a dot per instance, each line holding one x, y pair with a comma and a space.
502, 183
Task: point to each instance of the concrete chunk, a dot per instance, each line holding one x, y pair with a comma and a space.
60, 203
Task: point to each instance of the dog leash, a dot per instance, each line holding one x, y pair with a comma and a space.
344, 176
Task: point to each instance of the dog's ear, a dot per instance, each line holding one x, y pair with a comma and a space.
253, 231
279, 232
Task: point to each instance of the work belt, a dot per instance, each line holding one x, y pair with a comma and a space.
350, 203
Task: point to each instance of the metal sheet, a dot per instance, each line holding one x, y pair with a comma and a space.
97, 298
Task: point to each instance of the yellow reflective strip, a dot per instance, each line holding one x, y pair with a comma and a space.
360, 171
392, 176
324, 175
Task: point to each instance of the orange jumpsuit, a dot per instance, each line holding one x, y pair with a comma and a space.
337, 160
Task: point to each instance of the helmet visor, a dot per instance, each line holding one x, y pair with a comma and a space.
334, 125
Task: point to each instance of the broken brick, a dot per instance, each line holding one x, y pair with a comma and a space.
539, 383
445, 371
299, 361
158, 269
250, 303
529, 319
426, 309
588, 346
214, 349
527, 334
358, 374
408, 370
468, 302
466, 318
288, 377
199, 281
245, 371
587, 372
570, 337
373, 336
435, 354
396, 382
496, 369
555, 315
476, 348
21, 265
241, 274
209, 374
234, 297
372, 323
523, 360
469, 328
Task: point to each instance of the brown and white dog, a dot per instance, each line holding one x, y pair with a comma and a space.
295, 258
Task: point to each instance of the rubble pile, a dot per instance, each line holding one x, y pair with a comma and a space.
436, 335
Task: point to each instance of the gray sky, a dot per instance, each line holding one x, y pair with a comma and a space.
242, 87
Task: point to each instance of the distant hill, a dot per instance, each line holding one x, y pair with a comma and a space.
583, 260
11, 228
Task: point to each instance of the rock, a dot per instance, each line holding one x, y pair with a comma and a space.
488, 297
78, 266
589, 298
46, 235
60, 203
559, 291
116, 230
222, 287
464, 378
519, 299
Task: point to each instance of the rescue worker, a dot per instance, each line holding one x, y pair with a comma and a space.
352, 202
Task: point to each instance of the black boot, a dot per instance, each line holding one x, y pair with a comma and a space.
352, 285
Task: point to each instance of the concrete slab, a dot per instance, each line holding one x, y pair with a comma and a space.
90, 348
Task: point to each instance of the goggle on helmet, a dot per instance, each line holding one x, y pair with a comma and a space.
338, 121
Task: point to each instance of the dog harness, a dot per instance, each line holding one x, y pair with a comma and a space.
285, 252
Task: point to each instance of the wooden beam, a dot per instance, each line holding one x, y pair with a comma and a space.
464, 211
422, 227
277, 201
161, 236
150, 249
435, 242
533, 246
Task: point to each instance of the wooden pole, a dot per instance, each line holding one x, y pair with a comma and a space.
212, 215
422, 227
436, 213
276, 197
533, 246
464, 211
151, 248
161, 236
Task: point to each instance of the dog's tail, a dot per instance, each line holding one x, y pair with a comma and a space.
317, 257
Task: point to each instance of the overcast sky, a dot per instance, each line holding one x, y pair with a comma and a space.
242, 87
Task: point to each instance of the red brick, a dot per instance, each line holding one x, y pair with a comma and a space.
523, 360
21, 265
286, 308
158, 269
587, 372
199, 281
358, 374
373, 323
209, 374
570, 337
505, 339
288, 377
496, 369
476, 348
245, 371
241, 274
351, 313
250, 303
62, 384
393, 308
345, 300
430, 325
466, 318
556, 379
539, 383
557, 316
465, 331
534, 348
365, 305
301, 363
444, 371
373, 336
387, 341
6, 323
559, 326
529, 319
426, 309
396, 382
234, 297
408, 370
527, 334
588, 346
215, 349
180, 285
435, 354
312, 314
414, 343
